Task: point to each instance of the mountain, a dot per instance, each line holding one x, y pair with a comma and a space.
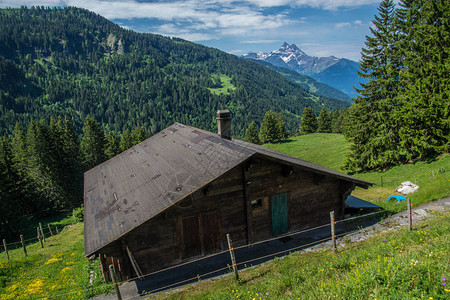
339, 73
308, 83
69, 61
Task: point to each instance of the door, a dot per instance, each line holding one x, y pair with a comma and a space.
191, 237
212, 237
279, 214
201, 234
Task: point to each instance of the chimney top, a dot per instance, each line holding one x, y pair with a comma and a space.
223, 118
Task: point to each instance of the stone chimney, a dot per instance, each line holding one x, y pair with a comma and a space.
224, 124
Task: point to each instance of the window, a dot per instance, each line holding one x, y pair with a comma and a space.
256, 203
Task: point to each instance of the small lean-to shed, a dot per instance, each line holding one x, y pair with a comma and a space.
176, 195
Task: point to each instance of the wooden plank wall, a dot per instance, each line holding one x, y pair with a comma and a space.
160, 242
311, 197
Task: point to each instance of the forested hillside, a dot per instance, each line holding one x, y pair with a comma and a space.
75, 63
308, 83
402, 113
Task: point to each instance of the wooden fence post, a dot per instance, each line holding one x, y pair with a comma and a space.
233, 258
6, 248
42, 232
113, 278
57, 231
433, 173
409, 214
381, 180
333, 231
23, 245
50, 229
415, 179
39, 236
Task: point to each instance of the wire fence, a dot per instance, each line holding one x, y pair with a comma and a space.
42, 232
259, 258
228, 267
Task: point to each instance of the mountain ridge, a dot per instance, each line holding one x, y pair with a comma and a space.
340, 73
77, 63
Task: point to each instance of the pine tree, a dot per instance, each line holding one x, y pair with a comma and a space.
251, 134
338, 118
424, 99
11, 197
112, 147
92, 144
372, 128
308, 123
139, 134
72, 178
41, 166
270, 130
324, 121
126, 141
282, 133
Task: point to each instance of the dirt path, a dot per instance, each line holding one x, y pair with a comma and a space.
393, 222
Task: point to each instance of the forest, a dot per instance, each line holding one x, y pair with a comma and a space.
76, 89
402, 112
71, 62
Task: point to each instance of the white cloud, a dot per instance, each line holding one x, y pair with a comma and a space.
323, 4
342, 24
260, 42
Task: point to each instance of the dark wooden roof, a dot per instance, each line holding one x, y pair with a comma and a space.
136, 185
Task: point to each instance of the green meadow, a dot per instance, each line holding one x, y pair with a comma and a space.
329, 150
226, 86
392, 265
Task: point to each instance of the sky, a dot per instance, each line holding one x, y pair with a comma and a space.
318, 27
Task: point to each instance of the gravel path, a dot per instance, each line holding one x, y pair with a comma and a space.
393, 222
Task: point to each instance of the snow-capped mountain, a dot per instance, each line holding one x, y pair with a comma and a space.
340, 73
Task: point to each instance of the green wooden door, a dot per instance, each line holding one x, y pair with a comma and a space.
279, 214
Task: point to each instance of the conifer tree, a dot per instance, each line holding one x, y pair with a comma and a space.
112, 147
41, 166
324, 121
10, 193
424, 99
372, 128
282, 134
251, 134
308, 123
126, 141
139, 134
270, 130
92, 144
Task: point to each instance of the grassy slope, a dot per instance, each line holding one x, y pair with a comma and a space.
226, 86
366, 270
329, 150
59, 268
391, 265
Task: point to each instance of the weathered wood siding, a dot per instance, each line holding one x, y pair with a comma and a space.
198, 224
311, 197
194, 227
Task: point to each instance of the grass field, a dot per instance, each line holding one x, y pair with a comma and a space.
394, 265
391, 265
58, 270
226, 85
329, 150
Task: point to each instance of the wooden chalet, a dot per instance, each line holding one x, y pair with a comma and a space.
176, 195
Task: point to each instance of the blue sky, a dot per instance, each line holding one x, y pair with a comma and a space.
318, 27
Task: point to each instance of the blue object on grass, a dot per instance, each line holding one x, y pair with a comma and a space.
398, 197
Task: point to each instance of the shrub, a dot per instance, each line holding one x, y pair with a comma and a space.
78, 214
